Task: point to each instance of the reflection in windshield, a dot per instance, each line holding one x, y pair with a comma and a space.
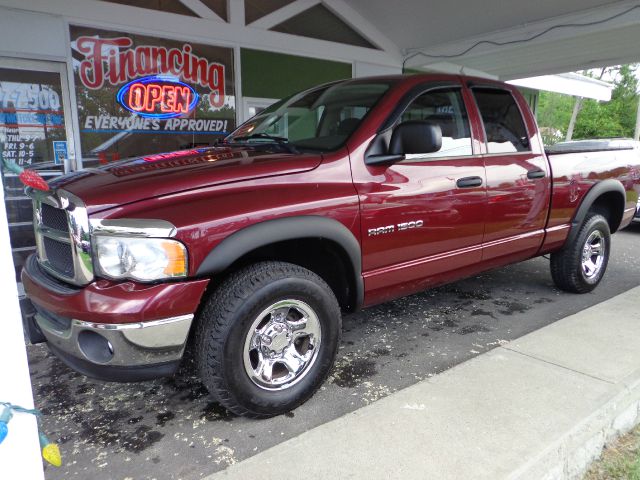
319, 119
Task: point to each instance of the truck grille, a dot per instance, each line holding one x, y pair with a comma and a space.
54, 218
62, 236
59, 256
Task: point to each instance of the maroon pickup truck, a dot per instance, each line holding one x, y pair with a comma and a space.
340, 197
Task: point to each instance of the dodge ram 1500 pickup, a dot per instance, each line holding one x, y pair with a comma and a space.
340, 197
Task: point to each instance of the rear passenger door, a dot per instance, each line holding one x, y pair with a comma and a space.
518, 177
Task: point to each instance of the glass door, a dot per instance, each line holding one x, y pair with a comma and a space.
34, 135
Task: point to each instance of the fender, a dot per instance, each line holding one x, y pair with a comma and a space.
600, 188
290, 228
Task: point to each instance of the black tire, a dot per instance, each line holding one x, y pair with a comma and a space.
226, 321
566, 265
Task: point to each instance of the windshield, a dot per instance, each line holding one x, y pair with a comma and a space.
320, 119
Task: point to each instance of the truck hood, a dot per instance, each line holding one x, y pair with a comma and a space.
153, 176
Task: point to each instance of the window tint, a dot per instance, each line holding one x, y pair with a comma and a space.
446, 109
503, 122
319, 119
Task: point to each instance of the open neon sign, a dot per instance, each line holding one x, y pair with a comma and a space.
157, 96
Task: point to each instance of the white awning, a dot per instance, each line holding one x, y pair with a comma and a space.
570, 84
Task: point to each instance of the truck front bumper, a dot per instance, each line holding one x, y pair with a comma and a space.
104, 331
117, 352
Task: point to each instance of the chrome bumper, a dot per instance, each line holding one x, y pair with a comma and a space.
118, 345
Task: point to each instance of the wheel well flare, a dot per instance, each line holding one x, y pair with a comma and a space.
322, 245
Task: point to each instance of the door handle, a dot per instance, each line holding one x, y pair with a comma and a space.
469, 182
535, 174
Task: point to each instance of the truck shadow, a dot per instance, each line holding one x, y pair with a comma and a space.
634, 227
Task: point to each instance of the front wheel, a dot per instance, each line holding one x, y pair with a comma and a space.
580, 266
267, 338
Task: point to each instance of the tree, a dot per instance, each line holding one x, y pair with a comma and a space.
625, 96
615, 118
554, 112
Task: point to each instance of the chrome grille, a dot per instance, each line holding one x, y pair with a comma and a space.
62, 236
59, 256
54, 218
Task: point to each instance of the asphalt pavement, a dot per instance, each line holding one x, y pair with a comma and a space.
557, 396
170, 429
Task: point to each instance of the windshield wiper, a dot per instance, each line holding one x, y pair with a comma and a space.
282, 141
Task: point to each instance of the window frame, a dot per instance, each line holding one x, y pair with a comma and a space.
413, 94
488, 86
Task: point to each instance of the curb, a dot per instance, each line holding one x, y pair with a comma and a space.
569, 457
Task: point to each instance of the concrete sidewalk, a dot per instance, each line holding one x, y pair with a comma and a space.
540, 407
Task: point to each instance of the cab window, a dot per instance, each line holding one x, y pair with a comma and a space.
503, 123
444, 108
320, 119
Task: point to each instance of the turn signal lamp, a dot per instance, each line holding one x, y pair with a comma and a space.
177, 260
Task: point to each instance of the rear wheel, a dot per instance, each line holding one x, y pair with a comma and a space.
267, 338
579, 267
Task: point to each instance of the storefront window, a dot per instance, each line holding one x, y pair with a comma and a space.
32, 137
138, 95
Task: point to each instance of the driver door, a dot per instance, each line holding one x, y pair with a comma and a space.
422, 219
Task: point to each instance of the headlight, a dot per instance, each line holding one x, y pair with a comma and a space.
144, 259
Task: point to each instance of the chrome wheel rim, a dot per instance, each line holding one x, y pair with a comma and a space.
282, 345
593, 254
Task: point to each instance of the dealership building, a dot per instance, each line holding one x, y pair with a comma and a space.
84, 83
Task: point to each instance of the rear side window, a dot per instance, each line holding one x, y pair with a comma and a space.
503, 122
445, 108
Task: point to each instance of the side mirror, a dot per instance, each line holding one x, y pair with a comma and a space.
415, 136
412, 136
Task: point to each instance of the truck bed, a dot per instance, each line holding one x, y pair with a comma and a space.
577, 166
592, 145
